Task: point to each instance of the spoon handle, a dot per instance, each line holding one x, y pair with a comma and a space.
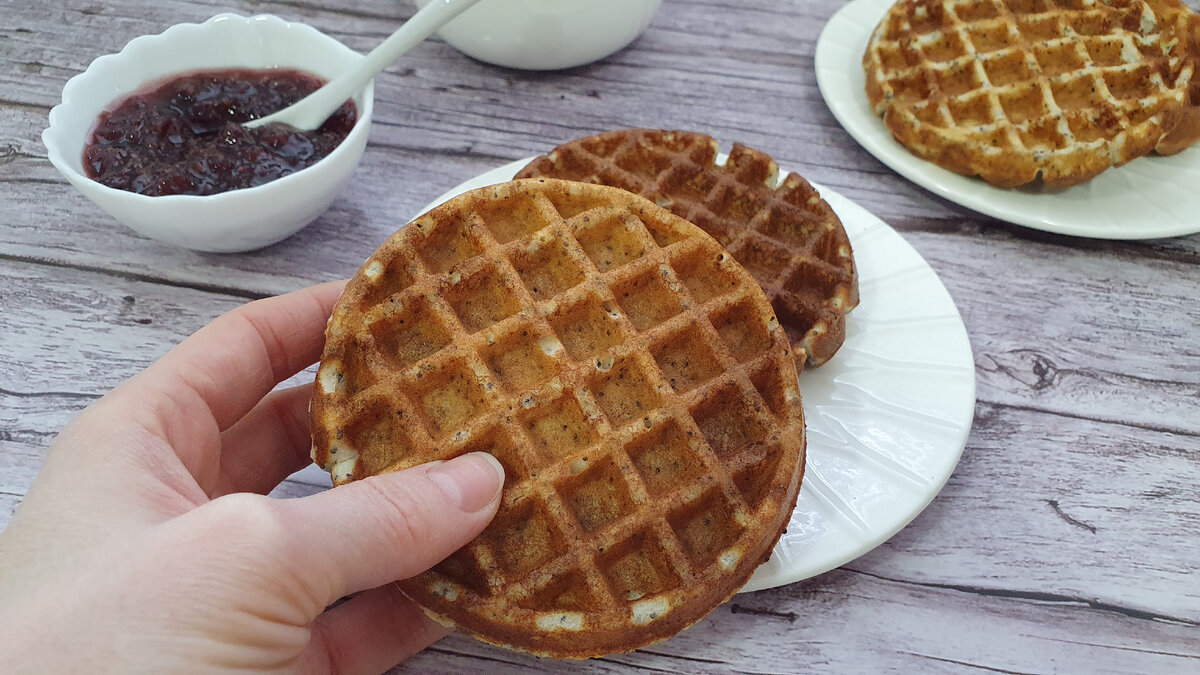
311, 111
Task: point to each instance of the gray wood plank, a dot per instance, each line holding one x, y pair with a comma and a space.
1050, 518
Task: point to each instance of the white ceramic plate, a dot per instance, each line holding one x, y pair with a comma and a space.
1148, 198
887, 418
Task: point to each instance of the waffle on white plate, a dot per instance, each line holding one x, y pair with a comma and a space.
1016, 91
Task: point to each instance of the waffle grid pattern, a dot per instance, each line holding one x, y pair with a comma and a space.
1015, 90
785, 235
630, 378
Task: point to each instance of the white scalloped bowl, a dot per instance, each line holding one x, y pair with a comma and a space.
547, 34
238, 220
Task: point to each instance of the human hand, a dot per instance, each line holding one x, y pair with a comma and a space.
146, 544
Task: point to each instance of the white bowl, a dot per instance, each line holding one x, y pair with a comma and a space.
238, 220
547, 34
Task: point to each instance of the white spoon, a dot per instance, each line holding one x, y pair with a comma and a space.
311, 111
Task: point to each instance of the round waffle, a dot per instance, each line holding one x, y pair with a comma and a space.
782, 232
1019, 90
629, 375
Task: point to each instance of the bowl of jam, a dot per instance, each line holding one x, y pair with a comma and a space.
153, 134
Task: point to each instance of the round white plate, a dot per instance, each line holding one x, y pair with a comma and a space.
887, 418
1147, 198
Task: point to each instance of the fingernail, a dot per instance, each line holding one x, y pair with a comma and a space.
471, 481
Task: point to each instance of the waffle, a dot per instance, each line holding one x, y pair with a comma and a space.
1020, 90
1187, 23
783, 233
628, 374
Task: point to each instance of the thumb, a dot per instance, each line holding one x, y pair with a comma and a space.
396, 525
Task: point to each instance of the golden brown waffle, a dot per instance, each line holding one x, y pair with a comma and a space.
1019, 90
1186, 23
785, 235
628, 374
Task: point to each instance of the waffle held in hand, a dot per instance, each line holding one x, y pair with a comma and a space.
1020, 90
781, 231
629, 375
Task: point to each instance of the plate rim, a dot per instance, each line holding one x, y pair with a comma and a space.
841, 204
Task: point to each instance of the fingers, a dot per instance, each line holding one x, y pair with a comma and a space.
365, 534
231, 363
214, 377
369, 633
267, 445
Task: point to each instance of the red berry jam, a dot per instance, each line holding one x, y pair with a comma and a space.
184, 137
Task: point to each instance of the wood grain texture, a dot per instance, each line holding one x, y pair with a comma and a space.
1068, 538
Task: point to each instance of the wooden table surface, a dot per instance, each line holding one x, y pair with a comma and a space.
1068, 538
